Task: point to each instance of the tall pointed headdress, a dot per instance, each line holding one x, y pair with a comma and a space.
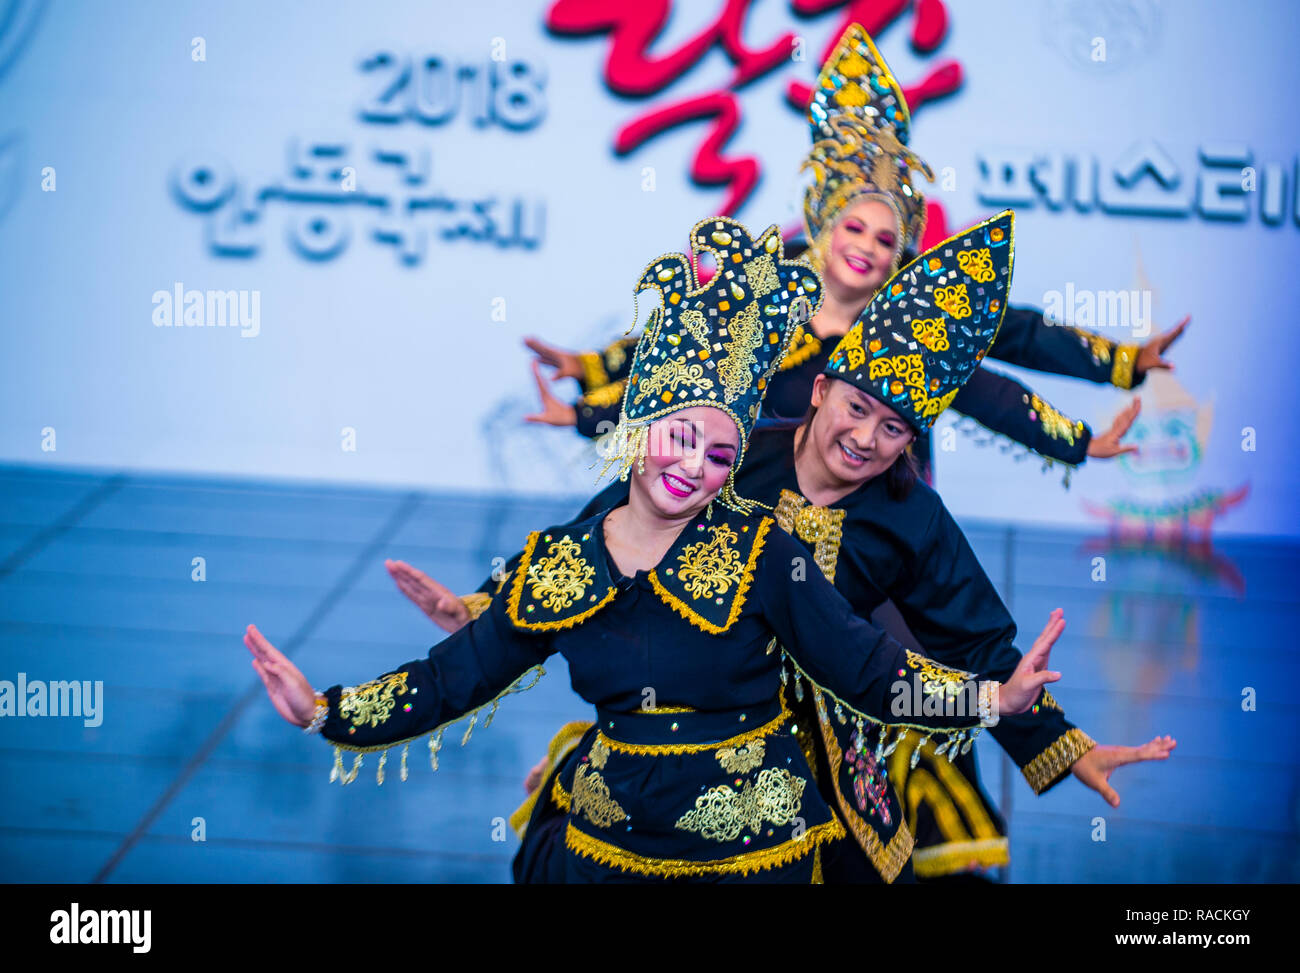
931, 324
860, 127
715, 344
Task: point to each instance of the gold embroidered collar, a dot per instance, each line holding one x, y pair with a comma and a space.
563, 577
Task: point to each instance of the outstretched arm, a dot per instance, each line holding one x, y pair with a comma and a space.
865, 669
1028, 339
471, 669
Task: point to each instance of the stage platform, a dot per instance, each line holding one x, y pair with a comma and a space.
96, 584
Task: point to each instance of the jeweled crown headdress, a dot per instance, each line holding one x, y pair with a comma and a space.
860, 126
715, 344
931, 324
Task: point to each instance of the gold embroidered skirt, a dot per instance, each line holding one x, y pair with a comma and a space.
684, 794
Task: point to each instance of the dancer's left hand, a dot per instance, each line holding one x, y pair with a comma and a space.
1151, 355
554, 412
290, 692
1108, 445
1095, 767
1025, 686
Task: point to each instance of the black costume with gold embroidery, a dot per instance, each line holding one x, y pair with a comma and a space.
712, 780
874, 547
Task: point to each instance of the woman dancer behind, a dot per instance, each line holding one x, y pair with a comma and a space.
878, 535
861, 214
685, 596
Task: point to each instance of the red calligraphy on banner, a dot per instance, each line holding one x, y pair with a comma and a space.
632, 71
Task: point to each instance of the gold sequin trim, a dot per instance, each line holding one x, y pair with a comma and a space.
741, 760
1121, 372
476, 603
707, 569
745, 863
591, 799
1056, 759
724, 814
372, 703
659, 749
819, 526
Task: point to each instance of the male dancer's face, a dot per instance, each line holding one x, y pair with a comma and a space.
862, 249
853, 435
688, 457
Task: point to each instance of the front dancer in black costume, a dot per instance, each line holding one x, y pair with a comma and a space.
877, 534
675, 591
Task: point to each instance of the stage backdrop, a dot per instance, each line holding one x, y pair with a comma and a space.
284, 240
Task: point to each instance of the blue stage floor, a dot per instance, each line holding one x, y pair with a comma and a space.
95, 584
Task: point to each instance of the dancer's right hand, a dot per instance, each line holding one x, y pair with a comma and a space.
290, 692
554, 412
432, 598
566, 363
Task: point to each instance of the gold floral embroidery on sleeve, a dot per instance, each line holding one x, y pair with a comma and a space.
1054, 423
723, 814
592, 800
1098, 346
599, 754
372, 703
711, 566
936, 678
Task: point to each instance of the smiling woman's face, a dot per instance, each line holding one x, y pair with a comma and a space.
862, 248
688, 458
856, 437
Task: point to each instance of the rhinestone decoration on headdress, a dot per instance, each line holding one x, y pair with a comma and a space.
931, 324
716, 344
860, 126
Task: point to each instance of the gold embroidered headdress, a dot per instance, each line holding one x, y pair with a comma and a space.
716, 344
860, 127
931, 324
